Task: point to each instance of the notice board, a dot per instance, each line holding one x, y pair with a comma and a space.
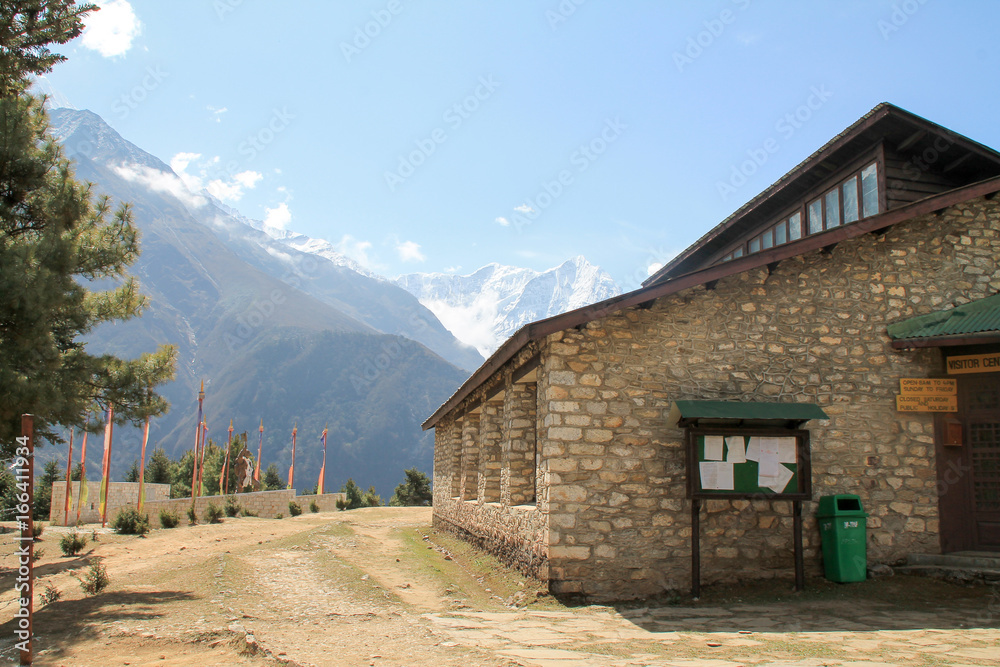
749, 463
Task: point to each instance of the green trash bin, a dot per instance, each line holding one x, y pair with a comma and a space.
843, 531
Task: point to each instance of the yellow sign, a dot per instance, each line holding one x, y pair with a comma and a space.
927, 403
974, 363
928, 387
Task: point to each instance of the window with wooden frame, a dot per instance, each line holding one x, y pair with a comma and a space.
849, 200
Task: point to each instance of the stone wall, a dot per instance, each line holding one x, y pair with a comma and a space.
612, 508
812, 330
120, 494
266, 504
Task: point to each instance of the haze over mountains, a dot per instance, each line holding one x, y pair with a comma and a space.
285, 328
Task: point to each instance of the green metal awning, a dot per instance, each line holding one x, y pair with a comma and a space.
740, 413
978, 321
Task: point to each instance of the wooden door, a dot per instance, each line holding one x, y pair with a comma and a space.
969, 475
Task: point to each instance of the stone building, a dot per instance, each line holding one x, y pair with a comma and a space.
871, 262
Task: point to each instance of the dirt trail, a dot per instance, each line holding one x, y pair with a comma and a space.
366, 588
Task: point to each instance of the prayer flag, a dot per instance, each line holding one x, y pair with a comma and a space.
291, 469
322, 469
142, 466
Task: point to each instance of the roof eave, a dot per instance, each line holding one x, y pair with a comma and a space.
580, 316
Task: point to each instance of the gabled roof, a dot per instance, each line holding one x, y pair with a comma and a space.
965, 160
677, 275
975, 322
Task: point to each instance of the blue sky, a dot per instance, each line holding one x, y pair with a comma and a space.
437, 137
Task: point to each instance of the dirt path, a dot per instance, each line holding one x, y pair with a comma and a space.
378, 587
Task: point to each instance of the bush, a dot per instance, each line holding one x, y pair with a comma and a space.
129, 522
50, 594
232, 507
169, 519
246, 512
37, 528
279, 515
97, 579
72, 543
213, 513
313, 506
37, 553
192, 516
294, 508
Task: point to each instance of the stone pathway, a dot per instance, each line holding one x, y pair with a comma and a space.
838, 635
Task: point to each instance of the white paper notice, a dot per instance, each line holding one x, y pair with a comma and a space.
753, 449
767, 468
779, 482
735, 449
786, 450
713, 447
716, 475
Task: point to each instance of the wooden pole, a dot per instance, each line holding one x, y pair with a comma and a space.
26, 553
142, 468
197, 443
109, 437
69, 480
695, 548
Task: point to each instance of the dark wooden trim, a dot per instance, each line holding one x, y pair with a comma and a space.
913, 343
695, 548
523, 370
542, 328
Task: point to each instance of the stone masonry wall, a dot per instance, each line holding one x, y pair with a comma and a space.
813, 330
120, 494
495, 446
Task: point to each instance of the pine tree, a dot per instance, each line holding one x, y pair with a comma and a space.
53, 238
43, 490
27, 27
158, 468
414, 490
271, 480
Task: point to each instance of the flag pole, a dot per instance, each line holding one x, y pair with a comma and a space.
201, 466
291, 470
142, 468
322, 470
109, 430
69, 480
197, 443
260, 446
225, 465
84, 491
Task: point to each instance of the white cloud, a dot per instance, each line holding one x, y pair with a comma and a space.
249, 179
453, 269
410, 251
224, 191
279, 216
503, 222
653, 268
110, 30
355, 249
524, 208
217, 112
159, 181
472, 324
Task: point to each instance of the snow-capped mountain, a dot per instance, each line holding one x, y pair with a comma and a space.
485, 308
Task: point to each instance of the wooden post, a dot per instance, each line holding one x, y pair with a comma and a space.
695, 548
800, 578
26, 553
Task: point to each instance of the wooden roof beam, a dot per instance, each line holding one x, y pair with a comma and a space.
912, 139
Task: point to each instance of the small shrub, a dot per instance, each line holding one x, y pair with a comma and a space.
37, 528
279, 515
129, 522
37, 553
72, 543
213, 513
97, 579
169, 519
313, 506
192, 516
294, 508
50, 594
341, 504
95, 536
232, 507
246, 512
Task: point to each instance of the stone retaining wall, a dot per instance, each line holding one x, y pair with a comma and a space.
120, 494
267, 504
